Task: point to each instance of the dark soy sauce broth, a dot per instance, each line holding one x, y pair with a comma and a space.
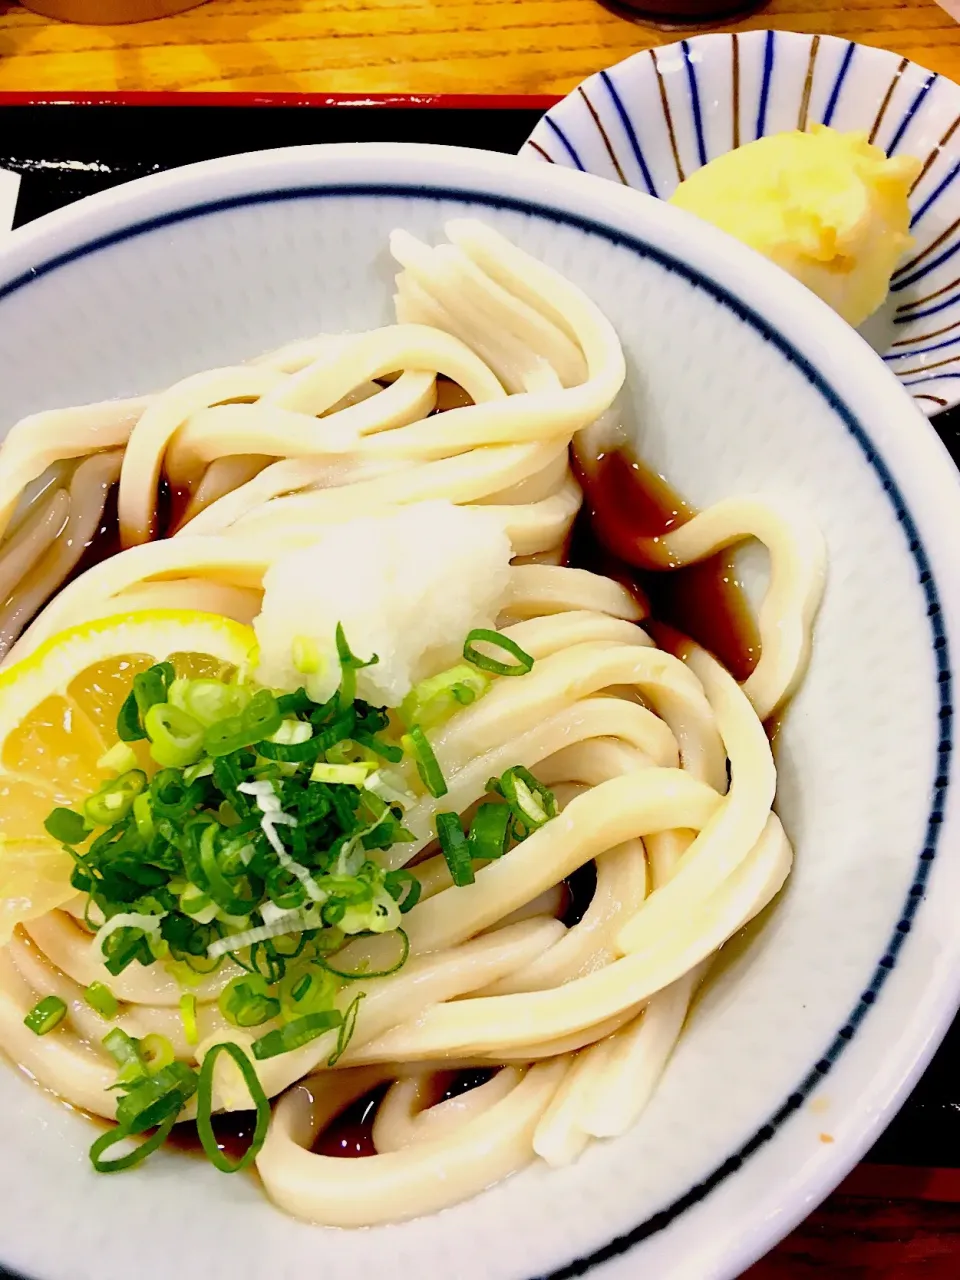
458, 1082
580, 886
350, 1134
625, 504
232, 1129
104, 543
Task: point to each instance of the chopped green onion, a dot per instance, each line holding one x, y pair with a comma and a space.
358, 975
404, 887
531, 802
198, 905
454, 847
292, 732
171, 797
426, 761
345, 752
45, 1015
120, 758
99, 996
261, 716
381, 916
202, 769
481, 635
88, 915
176, 739
350, 664
143, 817
309, 990
152, 1098
114, 800
305, 750
257, 721
188, 1016
228, 815
156, 1052
292, 704
66, 826
290, 922
349, 775
341, 726
380, 748
219, 888
391, 788
123, 944
194, 967
302, 986
129, 728
435, 700
295, 1034
287, 892
126, 1054
246, 1003
149, 687
346, 1030
227, 835
489, 832
208, 700
208, 1138
292, 945
146, 1148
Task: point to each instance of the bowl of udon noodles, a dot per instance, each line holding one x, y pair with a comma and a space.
475, 730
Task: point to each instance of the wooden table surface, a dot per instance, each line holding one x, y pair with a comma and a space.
414, 46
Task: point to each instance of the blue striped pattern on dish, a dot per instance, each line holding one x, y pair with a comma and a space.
652, 120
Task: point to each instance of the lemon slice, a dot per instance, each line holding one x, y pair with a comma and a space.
58, 713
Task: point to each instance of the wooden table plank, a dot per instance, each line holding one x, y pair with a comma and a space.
420, 46
863, 1238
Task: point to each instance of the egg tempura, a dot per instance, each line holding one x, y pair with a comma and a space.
828, 207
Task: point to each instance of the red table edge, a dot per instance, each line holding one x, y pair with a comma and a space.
902, 1182
462, 101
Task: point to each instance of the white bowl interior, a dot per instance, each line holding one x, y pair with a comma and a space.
721, 405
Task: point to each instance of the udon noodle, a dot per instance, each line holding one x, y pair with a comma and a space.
636, 742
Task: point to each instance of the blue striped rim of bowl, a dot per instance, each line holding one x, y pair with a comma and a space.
652, 120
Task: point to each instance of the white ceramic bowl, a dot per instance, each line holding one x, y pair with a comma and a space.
739, 381
653, 119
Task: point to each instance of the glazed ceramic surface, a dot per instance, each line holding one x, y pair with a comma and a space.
811, 1030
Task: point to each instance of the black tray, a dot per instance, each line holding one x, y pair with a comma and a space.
66, 150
